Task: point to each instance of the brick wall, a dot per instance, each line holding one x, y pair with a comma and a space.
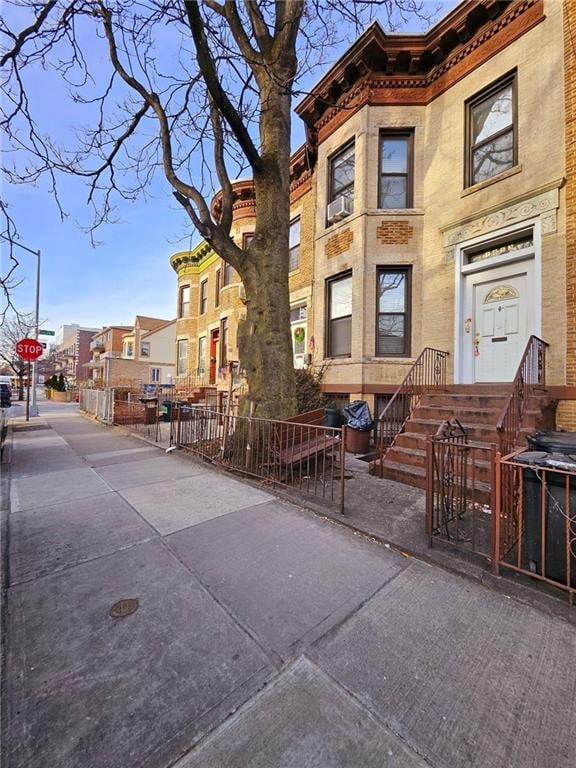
567, 410
395, 232
339, 243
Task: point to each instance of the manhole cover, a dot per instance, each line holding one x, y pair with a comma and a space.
125, 607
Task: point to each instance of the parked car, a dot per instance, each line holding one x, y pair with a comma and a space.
5, 395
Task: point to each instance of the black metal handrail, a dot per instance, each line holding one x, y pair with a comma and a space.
531, 372
428, 372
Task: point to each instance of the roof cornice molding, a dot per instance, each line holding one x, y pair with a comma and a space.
381, 69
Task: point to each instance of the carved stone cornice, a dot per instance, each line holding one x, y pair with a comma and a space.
194, 258
382, 69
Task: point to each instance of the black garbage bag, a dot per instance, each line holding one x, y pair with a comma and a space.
357, 415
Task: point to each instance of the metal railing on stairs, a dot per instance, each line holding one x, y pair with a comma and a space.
531, 372
427, 373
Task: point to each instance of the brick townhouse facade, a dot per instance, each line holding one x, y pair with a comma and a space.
439, 210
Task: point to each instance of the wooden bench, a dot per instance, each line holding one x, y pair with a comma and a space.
297, 439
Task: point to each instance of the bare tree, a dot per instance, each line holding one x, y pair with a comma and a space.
15, 327
201, 91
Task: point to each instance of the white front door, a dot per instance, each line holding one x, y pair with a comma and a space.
500, 327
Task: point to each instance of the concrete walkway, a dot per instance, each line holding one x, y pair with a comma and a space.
264, 637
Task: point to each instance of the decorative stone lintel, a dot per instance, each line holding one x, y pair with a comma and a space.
544, 205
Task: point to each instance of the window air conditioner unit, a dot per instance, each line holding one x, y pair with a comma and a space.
339, 209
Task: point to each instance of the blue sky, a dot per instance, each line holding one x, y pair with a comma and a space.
129, 272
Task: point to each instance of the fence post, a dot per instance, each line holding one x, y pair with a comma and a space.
342, 468
496, 512
429, 489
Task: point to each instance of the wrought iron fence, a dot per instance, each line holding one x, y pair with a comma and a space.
531, 372
459, 490
535, 521
140, 415
307, 458
427, 373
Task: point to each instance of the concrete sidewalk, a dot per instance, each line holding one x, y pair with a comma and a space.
264, 636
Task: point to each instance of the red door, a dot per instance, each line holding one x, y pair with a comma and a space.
214, 350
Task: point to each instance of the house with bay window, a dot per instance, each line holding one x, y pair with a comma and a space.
436, 209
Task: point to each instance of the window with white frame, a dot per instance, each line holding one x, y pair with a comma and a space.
145, 349
298, 332
155, 375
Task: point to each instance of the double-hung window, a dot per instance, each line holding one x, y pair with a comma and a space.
342, 167
182, 357
396, 169
227, 274
203, 297
201, 354
491, 143
184, 301
223, 342
339, 320
217, 288
393, 309
294, 245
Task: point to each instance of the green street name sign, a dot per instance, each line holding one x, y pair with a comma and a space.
46, 333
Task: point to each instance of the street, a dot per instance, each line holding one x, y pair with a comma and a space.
263, 636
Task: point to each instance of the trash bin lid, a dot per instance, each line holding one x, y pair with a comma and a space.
553, 442
532, 457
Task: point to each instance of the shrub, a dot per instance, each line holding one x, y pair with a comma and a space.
309, 396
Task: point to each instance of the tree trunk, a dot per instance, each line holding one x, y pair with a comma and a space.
264, 338
20, 386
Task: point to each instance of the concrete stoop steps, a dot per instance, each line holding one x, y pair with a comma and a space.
477, 408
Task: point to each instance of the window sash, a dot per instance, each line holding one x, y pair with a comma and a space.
223, 342
217, 288
393, 312
203, 297
342, 171
491, 144
201, 354
396, 178
294, 245
227, 274
184, 303
339, 320
182, 357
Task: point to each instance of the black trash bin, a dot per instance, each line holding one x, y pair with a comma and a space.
167, 410
547, 502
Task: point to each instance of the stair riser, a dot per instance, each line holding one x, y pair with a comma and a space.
462, 414
485, 434
470, 402
482, 472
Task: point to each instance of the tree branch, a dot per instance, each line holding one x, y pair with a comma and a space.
213, 83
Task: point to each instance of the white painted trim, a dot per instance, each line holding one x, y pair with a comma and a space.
461, 271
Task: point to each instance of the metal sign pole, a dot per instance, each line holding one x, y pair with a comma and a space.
28, 394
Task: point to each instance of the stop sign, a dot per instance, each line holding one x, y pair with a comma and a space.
29, 349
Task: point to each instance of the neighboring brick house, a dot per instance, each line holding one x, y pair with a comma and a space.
73, 352
439, 210
211, 296
133, 356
